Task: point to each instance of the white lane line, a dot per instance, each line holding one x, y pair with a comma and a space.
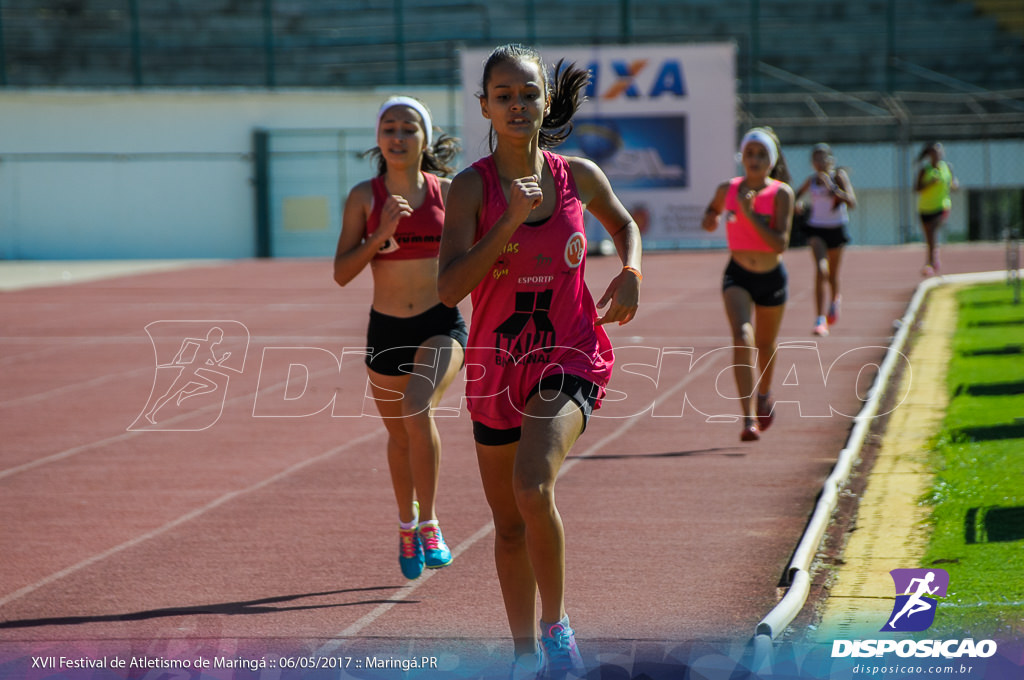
383, 608
226, 498
74, 450
72, 387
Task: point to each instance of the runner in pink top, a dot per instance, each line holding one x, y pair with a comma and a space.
418, 235
513, 237
393, 224
533, 313
758, 208
739, 230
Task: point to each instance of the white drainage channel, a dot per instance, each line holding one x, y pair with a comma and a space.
797, 573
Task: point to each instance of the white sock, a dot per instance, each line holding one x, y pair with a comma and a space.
415, 518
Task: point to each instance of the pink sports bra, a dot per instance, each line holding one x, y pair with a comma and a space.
418, 236
741, 234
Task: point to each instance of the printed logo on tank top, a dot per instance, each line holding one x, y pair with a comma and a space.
575, 249
540, 275
502, 266
388, 246
527, 336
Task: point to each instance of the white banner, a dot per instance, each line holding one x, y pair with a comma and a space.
660, 121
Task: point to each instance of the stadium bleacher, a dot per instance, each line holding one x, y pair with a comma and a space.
873, 49
870, 45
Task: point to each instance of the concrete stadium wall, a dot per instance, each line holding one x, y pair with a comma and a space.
882, 176
144, 174
168, 174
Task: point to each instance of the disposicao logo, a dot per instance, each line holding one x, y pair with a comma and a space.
195, 361
914, 611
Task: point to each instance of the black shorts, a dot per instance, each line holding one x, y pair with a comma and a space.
834, 237
392, 341
933, 217
767, 289
583, 392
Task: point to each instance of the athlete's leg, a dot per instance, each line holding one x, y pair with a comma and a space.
930, 226
551, 425
767, 321
835, 258
822, 272
738, 306
511, 558
437, 362
388, 391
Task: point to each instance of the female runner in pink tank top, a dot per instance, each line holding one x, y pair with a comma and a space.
759, 216
393, 223
538, 357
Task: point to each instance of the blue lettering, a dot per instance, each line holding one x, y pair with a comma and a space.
670, 80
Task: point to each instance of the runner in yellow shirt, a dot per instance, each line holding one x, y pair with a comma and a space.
935, 182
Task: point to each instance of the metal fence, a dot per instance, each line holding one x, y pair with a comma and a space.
874, 78
875, 45
990, 201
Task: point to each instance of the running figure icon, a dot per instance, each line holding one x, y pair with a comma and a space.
915, 605
190, 381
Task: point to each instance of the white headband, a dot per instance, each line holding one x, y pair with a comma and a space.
765, 140
416, 106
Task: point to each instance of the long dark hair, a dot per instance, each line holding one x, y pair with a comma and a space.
437, 158
565, 87
930, 146
781, 171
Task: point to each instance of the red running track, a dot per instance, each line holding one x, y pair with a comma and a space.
260, 528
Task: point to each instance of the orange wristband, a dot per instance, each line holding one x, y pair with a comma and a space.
639, 276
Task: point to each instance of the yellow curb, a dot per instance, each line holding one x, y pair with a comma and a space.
890, 526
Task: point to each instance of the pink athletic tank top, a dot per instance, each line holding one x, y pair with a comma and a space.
418, 236
532, 314
741, 234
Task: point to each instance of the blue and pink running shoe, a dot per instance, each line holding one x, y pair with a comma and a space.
436, 551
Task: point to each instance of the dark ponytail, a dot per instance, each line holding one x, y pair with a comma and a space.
781, 171
567, 95
439, 158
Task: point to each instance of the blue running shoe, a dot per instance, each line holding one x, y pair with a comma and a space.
410, 549
528, 666
559, 641
436, 551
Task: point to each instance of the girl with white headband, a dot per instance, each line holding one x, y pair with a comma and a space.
759, 215
393, 223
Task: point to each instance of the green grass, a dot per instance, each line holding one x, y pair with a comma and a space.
977, 499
